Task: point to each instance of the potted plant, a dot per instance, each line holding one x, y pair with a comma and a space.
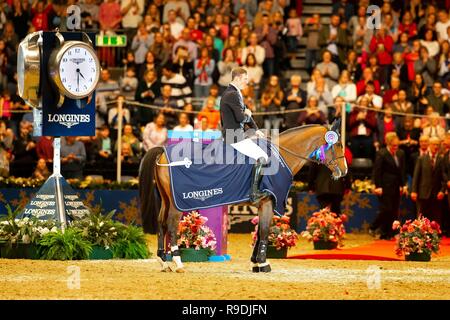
417, 239
325, 229
196, 241
281, 236
67, 245
130, 242
19, 237
100, 230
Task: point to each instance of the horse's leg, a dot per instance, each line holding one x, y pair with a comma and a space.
265, 218
162, 227
173, 221
255, 267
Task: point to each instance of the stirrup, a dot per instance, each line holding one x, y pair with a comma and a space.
258, 196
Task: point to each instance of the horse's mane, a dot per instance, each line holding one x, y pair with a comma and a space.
295, 129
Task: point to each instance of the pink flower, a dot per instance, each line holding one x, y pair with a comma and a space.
396, 225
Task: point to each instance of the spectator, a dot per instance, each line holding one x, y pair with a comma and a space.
20, 17
250, 6
328, 69
311, 114
6, 144
403, 45
129, 138
408, 26
334, 39
24, 152
203, 68
186, 42
107, 91
294, 31
267, 37
434, 129
183, 123
399, 69
429, 183
213, 52
411, 57
389, 176
129, 83
184, 65
271, 100
345, 88
180, 88
442, 26
128, 159
160, 50
218, 43
385, 123
255, 73
375, 101
381, 45
223, 29
225, 66
73, 157
430, 43
142, 41
132, 11
179, 7
40, 12
41, 172
176, 25
233, 44
391, 94
103, 147
255, 49
417, 93
403, 105
344, 10
155, 133
367, 77
109, 16
295, 98
147, 91
210, 113
149, 64
426, 66
168, 104
353, 66
44, 148
362, 126
312, 30
214, 93
113, 118
436, 99
409, 142
323, 95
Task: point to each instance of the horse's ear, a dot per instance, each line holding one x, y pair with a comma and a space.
336, 125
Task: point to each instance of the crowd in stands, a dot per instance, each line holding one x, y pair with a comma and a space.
389, 77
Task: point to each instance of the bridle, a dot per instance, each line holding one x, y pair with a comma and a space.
331, 163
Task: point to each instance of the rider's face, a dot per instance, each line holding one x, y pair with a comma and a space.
243, 81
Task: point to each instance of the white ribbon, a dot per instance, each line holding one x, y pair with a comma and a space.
185, 162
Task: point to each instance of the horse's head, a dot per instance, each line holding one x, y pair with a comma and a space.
331, 153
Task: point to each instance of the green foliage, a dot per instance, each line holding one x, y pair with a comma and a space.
69, 245
97, 228
130, 243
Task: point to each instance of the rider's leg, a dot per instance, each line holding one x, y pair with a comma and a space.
257, 175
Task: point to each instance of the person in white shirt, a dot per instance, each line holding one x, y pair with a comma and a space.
176, 27
132, 11
255, 48
442, 25
345, 88
184, 125
375, 101
430, 43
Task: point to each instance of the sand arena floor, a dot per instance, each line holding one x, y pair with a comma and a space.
290, 279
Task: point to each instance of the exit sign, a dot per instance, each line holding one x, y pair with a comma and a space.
111, 41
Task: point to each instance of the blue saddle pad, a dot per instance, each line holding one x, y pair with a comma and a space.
219, 175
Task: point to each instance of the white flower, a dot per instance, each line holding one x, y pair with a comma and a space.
44, 230
101, 224
54, 229
26, 238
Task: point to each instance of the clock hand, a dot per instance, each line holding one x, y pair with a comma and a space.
78, 80
81, 75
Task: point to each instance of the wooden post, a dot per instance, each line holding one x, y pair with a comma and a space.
119, 137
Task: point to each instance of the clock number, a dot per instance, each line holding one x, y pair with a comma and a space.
64, 80
93, 69
77, 50
64, 59
69, 53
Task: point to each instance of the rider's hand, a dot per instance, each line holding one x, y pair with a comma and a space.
260, 134
248, 112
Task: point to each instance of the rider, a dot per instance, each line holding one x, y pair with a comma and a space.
237, 123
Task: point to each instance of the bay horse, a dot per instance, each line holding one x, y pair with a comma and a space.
295, 146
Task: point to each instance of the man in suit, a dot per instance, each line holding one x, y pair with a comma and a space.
237, 123
389, 175
334, 39
429, 182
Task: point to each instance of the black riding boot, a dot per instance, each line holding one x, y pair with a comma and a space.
257, 175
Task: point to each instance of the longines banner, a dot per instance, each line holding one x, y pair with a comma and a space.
73, 117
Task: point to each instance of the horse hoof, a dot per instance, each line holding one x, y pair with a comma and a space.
180, 270
255, 269
265, 269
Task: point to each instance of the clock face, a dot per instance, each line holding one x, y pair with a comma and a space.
78, 71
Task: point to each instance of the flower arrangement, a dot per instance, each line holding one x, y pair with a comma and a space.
325, 225
280, 233
418, 236
363, 186
193, 233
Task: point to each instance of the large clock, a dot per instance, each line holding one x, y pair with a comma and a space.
74, 68
29, 68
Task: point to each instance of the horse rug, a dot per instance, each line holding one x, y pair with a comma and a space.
210, 175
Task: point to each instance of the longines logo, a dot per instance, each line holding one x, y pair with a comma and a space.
202, 194
69, 120
77, 60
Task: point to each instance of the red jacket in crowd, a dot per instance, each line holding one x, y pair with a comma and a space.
382, 47
361, 87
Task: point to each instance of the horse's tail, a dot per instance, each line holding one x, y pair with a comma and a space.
149, 200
